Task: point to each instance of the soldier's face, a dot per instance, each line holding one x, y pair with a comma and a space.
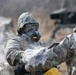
31, 32
29, 27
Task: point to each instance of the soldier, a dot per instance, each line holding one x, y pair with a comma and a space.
27, 37
33, 57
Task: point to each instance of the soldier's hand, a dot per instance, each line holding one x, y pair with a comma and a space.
20, 70
27, 55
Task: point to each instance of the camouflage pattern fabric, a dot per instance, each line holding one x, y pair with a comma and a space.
17, 45
64, 51
47, 54
26, 18
50, 57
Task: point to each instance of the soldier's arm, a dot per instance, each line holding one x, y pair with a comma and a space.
53, 56
13, 52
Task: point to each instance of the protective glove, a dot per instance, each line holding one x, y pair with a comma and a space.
37, 61
30, 55
26, 56
20, 70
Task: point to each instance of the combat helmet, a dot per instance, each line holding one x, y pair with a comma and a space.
25, 18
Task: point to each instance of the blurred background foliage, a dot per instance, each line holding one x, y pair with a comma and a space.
41, 10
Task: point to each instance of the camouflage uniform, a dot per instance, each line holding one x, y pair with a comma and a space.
17, 45
49, 53
63, 52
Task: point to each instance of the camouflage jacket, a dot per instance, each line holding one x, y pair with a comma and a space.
17, 45
51, 55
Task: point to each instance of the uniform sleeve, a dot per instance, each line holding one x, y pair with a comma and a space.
13, 52
56, 55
